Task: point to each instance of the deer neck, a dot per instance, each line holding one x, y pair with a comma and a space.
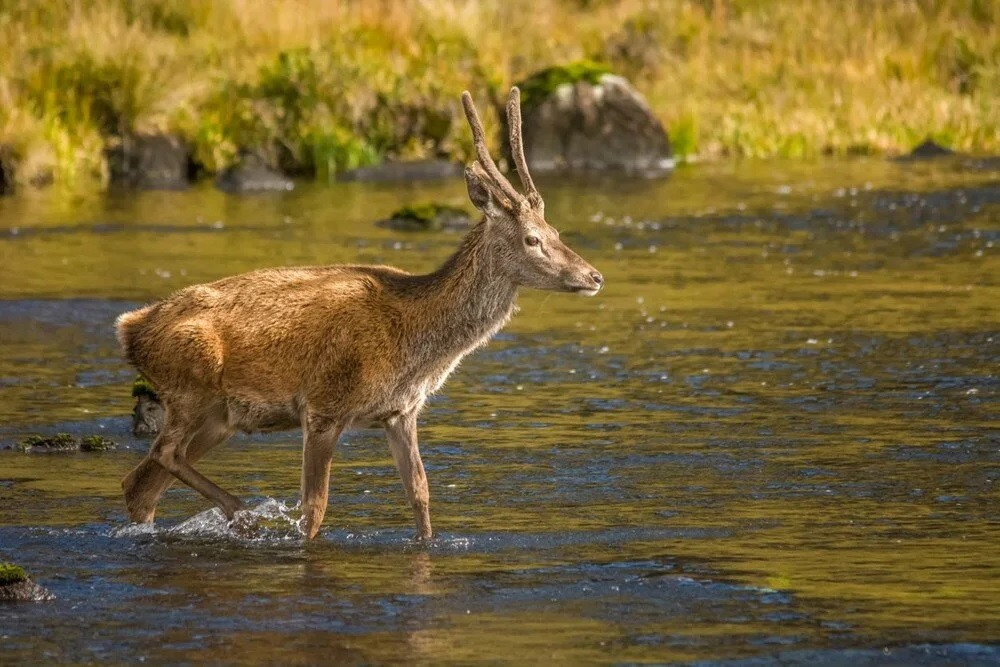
470, 296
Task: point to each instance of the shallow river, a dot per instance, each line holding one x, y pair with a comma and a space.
775, 433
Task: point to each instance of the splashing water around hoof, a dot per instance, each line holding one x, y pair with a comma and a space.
269, 521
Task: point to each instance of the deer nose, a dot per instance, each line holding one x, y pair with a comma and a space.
597, 278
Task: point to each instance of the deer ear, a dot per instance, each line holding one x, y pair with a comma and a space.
481, 195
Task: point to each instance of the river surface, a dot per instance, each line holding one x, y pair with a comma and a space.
774, 435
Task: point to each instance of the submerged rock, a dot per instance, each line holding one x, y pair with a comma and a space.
96, 443
580, 117
427, 217
60, 442
64, 442
418, 170
150, 162
16, 586
148, 413
251, 174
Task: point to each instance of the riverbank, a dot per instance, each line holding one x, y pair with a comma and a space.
316, 87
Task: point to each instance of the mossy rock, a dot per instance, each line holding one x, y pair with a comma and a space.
96, 443
142, 387
582, 118
427, 217
926, 150
11, 574
64, 442
60, 442
543, 83
16, 586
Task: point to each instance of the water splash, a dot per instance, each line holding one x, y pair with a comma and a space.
269, 521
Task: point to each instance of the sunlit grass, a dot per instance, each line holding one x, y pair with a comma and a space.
318, 86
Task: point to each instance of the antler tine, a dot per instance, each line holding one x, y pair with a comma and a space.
483, 153
517, 148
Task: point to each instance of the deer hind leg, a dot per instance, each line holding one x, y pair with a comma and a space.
320, 437
402, 433
145, 485
169, 450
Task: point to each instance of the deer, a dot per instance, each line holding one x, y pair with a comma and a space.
327, 347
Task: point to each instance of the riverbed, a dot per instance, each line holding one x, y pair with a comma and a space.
773, 434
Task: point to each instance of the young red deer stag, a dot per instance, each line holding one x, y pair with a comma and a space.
327, 347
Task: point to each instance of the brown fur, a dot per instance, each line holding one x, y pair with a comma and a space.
328, 347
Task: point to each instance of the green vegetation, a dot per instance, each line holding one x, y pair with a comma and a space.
64, 442
11, 574
143, 387
60, 442
319, 86
540, 84
96, 443
428, 217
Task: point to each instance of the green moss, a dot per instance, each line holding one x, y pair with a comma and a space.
11, 574
541, 84
428, 217
59, 442
142, 387
428, 212
96, 443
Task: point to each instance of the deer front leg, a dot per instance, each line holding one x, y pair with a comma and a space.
402, 433
320, 437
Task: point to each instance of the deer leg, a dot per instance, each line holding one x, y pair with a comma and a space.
402, 433
149, 480
320, 437
169, 450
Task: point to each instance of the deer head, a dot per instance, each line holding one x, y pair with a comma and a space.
529, 249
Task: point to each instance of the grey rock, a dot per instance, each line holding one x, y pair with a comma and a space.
24, 591
604, 127
418, 170
927, 149
251, 174
427, 218
147, 416
150, 162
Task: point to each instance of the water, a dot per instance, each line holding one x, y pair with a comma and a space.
774, 435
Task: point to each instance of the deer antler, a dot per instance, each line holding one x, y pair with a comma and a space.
483, 153
517, 149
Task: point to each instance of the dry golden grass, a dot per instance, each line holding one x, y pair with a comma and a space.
320, 85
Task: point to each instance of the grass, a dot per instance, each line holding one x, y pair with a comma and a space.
318, 86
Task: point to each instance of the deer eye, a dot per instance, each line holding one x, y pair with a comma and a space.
532, 240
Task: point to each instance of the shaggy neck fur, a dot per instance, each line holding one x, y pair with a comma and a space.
470, 297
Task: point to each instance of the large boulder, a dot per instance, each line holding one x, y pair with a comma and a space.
150, 162
581, 118
251, 174
396, 172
